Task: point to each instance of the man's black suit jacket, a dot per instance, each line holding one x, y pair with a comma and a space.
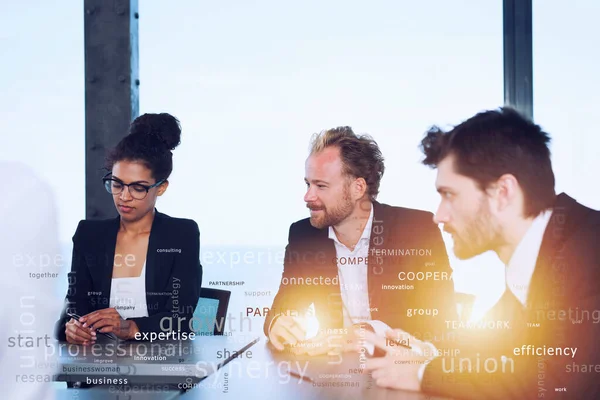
173, 272
565, 283
402, 240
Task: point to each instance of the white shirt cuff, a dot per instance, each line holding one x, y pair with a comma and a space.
421, 373
431, 352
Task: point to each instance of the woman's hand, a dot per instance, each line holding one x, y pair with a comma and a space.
108, 320
76, 333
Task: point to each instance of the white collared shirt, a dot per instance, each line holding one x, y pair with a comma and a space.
522, 263
352, 272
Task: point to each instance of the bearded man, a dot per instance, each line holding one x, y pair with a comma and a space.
497, 188
360, 263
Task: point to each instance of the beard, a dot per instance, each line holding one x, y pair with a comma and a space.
331, 216
479, 235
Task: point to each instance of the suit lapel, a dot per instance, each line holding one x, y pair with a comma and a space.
328, 267
327, 298
108, 250
151, 264
378, 240
108, 254
377, 264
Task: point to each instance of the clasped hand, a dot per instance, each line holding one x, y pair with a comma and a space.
106, 320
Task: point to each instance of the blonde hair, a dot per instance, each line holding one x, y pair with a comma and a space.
361, 157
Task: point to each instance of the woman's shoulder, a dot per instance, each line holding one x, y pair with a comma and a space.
96, 223
178, 223
92, 228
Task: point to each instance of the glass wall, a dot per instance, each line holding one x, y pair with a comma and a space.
251, 82
566, 91
42, 123
42, 102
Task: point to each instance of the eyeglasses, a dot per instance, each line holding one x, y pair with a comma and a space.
136, 190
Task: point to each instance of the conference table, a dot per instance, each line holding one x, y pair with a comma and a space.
267, 376
179, 363
217, 367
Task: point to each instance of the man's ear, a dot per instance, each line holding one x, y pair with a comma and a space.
162, 188
505, 190
359, 188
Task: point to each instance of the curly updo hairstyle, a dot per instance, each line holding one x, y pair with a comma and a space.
150, 141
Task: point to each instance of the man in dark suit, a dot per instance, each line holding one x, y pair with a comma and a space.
358, 261
497, 187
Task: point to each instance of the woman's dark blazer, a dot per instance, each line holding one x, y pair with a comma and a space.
173, 272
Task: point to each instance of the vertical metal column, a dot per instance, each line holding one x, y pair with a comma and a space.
111, 90
518, 60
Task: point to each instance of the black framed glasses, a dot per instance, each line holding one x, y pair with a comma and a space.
137, 190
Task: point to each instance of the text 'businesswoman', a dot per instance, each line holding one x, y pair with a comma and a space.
138, 272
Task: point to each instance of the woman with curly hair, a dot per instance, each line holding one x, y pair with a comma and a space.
139, 272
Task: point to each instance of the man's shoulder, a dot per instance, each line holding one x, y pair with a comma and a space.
401, 215
394, 215
578, 223
570, 246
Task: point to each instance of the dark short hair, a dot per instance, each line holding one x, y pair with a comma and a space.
361, 157
497, 142
150, 141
